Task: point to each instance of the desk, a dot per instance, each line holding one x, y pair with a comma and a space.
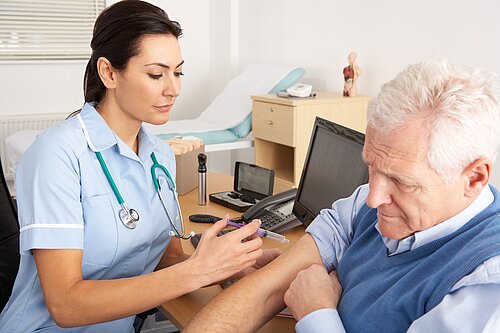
180, 310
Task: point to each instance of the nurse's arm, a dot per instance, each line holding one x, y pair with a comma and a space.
173, 254
73, 301
258, 297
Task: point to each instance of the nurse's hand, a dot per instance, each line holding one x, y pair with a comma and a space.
218, 258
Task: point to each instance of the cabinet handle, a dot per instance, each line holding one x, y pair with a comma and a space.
272, 109
270, 122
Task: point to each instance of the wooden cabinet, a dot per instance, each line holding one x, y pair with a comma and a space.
282, 129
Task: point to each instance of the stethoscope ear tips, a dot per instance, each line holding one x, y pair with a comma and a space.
171, 233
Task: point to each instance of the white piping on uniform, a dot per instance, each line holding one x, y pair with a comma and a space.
52, 225
86, 133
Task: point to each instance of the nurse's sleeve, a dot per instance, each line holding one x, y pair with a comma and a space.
332, 229
48, 196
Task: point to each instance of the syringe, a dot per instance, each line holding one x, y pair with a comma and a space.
262, 232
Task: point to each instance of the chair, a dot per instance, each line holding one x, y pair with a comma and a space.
9, 242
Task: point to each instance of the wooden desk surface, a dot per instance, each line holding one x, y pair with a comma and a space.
180, 310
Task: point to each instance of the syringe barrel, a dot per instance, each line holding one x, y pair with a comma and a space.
274, 236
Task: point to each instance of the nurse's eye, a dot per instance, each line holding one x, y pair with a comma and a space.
155, 76
178, 74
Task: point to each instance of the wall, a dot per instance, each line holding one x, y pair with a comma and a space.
386, 34
222, 36
41, 87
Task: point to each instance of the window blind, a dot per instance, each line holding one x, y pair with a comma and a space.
47, 29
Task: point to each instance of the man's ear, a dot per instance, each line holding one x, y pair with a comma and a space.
478, 175
106, 73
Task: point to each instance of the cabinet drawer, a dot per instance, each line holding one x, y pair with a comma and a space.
274, 122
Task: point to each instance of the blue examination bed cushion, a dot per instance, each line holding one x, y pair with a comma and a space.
209, 138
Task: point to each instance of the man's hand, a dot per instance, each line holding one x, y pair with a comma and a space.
313, 289
259, 296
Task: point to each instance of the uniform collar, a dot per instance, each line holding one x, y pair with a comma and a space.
147, 145
98, 134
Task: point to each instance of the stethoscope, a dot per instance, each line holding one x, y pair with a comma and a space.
130, 217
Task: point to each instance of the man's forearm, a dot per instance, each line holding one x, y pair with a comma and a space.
251, 302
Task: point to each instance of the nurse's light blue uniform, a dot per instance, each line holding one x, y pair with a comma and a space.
66, 202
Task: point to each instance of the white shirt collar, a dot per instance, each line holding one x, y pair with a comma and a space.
442, 229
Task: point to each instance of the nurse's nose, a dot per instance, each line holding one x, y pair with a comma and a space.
172, 86
379, 191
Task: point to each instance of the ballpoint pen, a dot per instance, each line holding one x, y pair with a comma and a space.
262, 232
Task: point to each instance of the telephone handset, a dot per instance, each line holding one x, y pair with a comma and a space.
275, 211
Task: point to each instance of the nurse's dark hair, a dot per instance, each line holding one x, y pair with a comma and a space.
117, 34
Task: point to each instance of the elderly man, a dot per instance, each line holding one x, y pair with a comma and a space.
415, 250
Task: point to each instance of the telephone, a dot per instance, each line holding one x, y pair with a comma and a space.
300, 90
275, 211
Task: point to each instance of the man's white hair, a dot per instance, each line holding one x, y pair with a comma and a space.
459, 105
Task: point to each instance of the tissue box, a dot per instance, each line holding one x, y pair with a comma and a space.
186, 150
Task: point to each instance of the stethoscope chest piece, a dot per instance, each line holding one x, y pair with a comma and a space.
129, 218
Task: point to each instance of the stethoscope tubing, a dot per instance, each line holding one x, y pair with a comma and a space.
111, 182
130, 217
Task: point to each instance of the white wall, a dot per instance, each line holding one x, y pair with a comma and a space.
387, 35
222, 36
41, 87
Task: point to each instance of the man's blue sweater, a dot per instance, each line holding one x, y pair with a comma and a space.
383, 293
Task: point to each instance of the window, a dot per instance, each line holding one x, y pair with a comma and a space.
47, 29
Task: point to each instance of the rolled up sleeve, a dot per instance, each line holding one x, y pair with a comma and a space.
332, 229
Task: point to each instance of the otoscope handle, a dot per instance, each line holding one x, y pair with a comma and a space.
202, 179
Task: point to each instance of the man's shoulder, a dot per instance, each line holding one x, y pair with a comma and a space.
486, 273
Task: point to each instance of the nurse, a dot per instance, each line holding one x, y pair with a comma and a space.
81, 265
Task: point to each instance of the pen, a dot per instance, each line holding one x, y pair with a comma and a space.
262, 232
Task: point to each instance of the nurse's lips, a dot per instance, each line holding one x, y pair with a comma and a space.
164, 108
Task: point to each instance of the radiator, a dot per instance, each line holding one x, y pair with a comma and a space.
10, 124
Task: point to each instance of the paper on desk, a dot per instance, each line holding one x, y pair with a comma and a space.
285, 313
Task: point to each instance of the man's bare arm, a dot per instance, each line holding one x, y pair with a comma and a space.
254, 300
